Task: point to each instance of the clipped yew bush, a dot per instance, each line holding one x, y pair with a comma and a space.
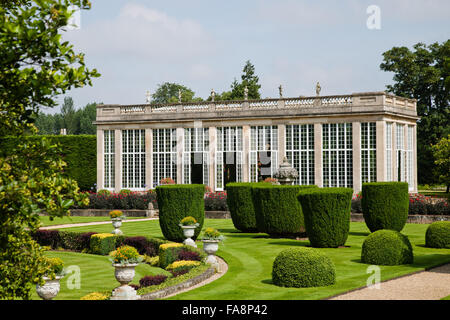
385, 205
177, 201
303, 267
438, 235
327, 215
387, 247
240, 204
277, 210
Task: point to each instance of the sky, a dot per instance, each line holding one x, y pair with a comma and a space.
137, 45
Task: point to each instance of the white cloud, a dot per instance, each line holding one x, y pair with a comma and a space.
140, 31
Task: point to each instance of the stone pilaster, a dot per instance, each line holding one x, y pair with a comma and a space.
281, 142
356, 140
100, 160
148, 159
381, 150
246, 154
180, 146
118, 160
212, 157
318, 164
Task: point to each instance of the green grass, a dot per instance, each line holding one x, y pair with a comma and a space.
436, 194
97, 274
250, 258
45, 220
446, 298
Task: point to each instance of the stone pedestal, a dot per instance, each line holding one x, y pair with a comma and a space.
124, 293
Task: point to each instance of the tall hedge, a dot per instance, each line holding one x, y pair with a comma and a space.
177, 201
327, 215
278, 212
78, 151
240, 204
385, 205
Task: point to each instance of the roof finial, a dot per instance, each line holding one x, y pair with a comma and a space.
318, 88
148, 97
280, 89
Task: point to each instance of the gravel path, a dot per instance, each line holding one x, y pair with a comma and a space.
432, 284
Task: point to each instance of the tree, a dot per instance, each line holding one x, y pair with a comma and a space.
35, 67
249, 80
68, 116
168, 93
423, 74
441, 152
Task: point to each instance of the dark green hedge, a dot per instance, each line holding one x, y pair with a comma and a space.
240, 204
387, 247
78, 151
177, 201
169, 255
303, 267
438, 235
278, 212
327, 215
385, 205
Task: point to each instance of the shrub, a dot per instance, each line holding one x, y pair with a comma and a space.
387, 247
176, 202
303, 267
70, 240
115, 214
153, 261
165, 181
102, 243
148, 281
169, 253
96, 296
125, 255
104, 192
133, 200
143, 245
179, 272
188, 221
278, 212
188, 255
55, 267
83, 169
327, 215
216, 201
385, 205
212, 234
182, 265
240, 203
438, 235
50, 238
125, 192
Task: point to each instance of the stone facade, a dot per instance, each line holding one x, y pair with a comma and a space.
377, 128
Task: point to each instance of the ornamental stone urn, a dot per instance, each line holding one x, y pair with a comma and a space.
286, 174
50, 289
117, 223
124, 274
211, 247
188, 232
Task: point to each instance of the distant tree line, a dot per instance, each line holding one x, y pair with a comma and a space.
75, 121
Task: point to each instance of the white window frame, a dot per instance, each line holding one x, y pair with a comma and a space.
389, 176
226, 143
368, 152
400, 152
109, 159
164, 155
196, 140
133, 159
343, 152
299, 146
409, 157
260, 136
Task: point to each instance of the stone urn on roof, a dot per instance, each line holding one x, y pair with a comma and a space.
286, 174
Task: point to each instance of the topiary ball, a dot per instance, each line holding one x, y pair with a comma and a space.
387, 247
302, 268
438, 235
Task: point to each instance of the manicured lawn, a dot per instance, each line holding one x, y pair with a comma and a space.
97, 274
250, 258
45, 220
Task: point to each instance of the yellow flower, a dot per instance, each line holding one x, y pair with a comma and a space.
183, 263
170, 245
94, 296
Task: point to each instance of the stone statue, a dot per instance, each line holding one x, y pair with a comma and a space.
213, 95
148, 97
245, 93
280, 89
179, 95
318, 88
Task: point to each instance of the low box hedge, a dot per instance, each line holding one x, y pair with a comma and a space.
102, 243
438, 235
171, 252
